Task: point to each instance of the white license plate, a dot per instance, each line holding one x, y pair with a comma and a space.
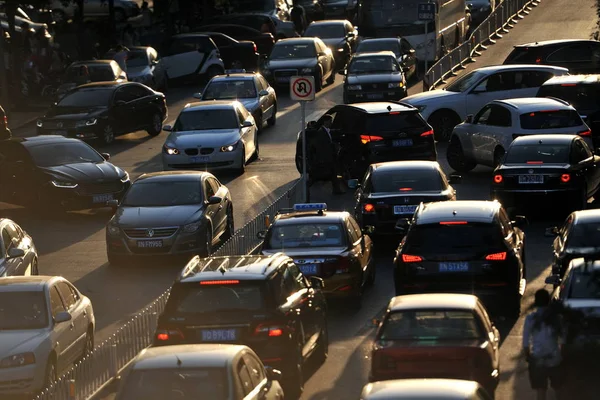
402, 143
531, 179
218, 335
150, 244
199, 159
404, 209
60, 133
102, 198
310, 269
454, 267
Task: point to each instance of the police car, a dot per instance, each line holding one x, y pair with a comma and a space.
326, 244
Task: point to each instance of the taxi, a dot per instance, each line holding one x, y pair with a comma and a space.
327, 244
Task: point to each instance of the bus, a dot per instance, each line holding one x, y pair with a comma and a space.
391, 18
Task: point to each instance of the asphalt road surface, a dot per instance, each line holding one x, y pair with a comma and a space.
74, 246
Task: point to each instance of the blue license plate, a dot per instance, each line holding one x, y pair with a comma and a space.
454, 267
218, 335
402, 143
405, 209
150, 244
199, 159
310, 269
374, 96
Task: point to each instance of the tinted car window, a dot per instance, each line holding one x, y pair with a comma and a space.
137, 59
584, 286
67, 295
197, 298
205, 120
452, 237
572, 53
88, 97
377, 45
551, 119
325, 31
581, 97
585, 235
431, 325
159, 384
23, 310
286, 51
521, 55
371, 65
230, 89
56, 304
54, 154
161, 193
306, 235
392, 122
97, 73
466, 82
545, 153
406, 180
531, 79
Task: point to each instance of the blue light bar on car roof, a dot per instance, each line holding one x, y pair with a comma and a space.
235, 71
310, 207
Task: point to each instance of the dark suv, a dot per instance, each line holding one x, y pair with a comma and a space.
464, 247
369, 133
580, 56
583, 93
263, 302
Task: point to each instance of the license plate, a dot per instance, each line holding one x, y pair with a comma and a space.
310, 269
372, 96
404, 209
218, 335
531, 179
284, 78
102, 198
199, 159
402, 142
150, 244
60, 133
454, 267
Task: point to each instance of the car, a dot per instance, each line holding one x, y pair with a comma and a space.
46, 326
411, 389
443, 335
214, 134
144, 66
256, 13
575, 238
542, 168
327, 244
58, 174
170, 213
124, 9
213, 371
264, 40
300, 56
98, 71
105, 110
18, 254
339, 35
375, 77
445, 108
264, 302
252, 90
313, 9
480, 10
581, 91
485, 138
333, 9
464, 246
393, 190
405, 54
191, 57
236, 54
369, 133
579, 56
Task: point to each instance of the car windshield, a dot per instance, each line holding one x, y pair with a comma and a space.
452, 238
434, 325
466, 82
55, 154
206, 120
538, 153
306, 235
585, 286
162, 193
329, 31
394, 121
96, 73
86, 98
286, 51
375, 64
181, 384
378, 45
137, 59
406, 181
584, 235
23, 310
215, 298
243, 6
583, 97
550, 119
230, 89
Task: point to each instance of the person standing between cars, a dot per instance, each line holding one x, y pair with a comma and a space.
298, 17
543, 337
322, 155
121, 57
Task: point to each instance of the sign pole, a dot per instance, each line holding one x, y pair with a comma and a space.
305, 194
426, 47
426, 13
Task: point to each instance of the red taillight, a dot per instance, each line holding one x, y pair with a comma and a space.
407, 258
568, 84
368, 208
496, 256
427, 133
162, 336
255, 48
535, 162
369, 138
5, 120
453, 223
269, 330
221, 282
538, 60
564, 178
498, 178
585, 133
165, 335
395, 113
405, 189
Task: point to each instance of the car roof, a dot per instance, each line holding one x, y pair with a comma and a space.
415, 389
248, 267
381, 107
553, 42
90, 62
299, 40
25, 283
33, 141
512, 67
285, 217
187, 35
106, 84
462, 210
573, 79
210, 104
238, 76
329, 22
186, 356
535, 104
543, 139
586, 216
169, 176
396, 165
427, 301
390, 39
375, 53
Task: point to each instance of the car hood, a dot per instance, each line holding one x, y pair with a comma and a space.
85, 172
426, 97
334, 42
250, 104
293, 63
374, 78
340, 3
138, 71
75, 113
310, 251
19, 341
153, 217
216, 138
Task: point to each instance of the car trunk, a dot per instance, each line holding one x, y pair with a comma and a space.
390, 207
535, 176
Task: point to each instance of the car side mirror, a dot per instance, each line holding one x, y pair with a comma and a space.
106, 156
273, 374
155, 62
214, 200
15, 253
520, 221
368, 230
247, 124
402, 225
342, 72
316, 282
114, 204
167, 128
263, 93
553, 280
454, 179
119, 103
353, 184
197, 95
469, 119
261, 235
62, 316
551, 232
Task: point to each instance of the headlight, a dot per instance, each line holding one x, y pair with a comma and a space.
354, 87
340, 49
395, 85
189, 228
306, 71
89, 122
64, 185
18, 360
39, 123
170, 149
113, 230
229, 147
125, 177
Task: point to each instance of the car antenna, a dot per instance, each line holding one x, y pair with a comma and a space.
178, 361
222, 269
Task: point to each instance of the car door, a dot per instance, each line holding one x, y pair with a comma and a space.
528, 82
497, 133
497, 86
220, 191
366, 246
144, 104
267, 102
594, 168
587, 165
324, 57
80, 320
65, 334
358, 248
227, 49
183, 57
123, 110
258, 377
243, 378
18, 266
11, 265
409, 61
475, 135
491, 333
247, 133
212, 211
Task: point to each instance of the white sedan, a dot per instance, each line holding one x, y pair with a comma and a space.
211, 135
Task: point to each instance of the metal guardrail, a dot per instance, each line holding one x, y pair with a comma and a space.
97, 370
504, 16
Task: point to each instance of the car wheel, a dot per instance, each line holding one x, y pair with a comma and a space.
318, 81
156, 127
273, 120
455, 156
108, 134
443, 123
51, 372
256, 153
323, 345
229, 229
34, 268
242, 168
331, 79
89, 343
295, 376
498, 156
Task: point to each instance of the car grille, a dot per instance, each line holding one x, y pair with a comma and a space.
137, 233
375, 86
59, 124
201, 165
202, 150
99, 188
283, 73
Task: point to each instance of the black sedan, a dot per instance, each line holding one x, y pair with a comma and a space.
374, 77
538, 166
54, 172
170, 213
405, 54
104, 110
339, 35
236, 54
301, 56
392, 191
264, 40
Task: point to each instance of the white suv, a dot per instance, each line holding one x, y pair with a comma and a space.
445, 108
483, 139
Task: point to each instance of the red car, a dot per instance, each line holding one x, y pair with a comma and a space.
448, 336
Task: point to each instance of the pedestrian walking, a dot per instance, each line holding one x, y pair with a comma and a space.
321, 151
298, 17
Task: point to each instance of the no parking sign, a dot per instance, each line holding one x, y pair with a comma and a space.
302, 88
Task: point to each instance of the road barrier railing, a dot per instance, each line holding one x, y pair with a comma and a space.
97, 370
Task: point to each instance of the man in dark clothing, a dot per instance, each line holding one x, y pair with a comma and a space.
321, 153
298, 17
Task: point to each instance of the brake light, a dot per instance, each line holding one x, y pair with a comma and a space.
564, 178
535, 162
395, 113
405, 189
407, 258
255, 48
453, 223
538, 60
270, 330
222, 282
368, 208
585, 133
496, 256
568, 84
165, 335
498, 178
369, 138
5, 120
427, 133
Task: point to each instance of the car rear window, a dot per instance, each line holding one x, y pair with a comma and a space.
431, 325
214, 296
585, 235
550, 119
585, 286
306, 235
540, 153
394, 121
580, 96
438, 238
521, 55
406, 181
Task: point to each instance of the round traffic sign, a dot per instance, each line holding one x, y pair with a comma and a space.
302, 88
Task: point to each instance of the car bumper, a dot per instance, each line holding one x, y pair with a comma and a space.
83, 199
418, 152
488, 381
25, 380
511, 197
385, 227
361, 97
180, 243
83, 133
215, 161
342, 286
